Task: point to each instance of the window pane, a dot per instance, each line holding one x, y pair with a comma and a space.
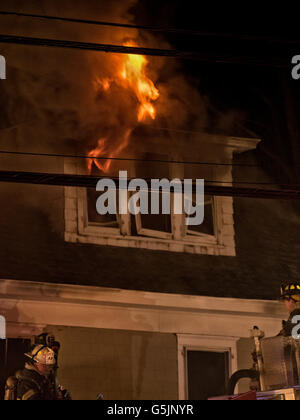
208, 374
207, 227
92, 197
107, 220
160, 222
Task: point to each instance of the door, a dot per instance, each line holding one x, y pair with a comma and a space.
207, 373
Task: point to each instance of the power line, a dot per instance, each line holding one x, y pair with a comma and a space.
86, 181
234, 182
155, 52
153, 28
122, 159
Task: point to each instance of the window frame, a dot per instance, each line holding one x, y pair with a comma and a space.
87, 228
152, 233
214, 344
79, 230
199, 237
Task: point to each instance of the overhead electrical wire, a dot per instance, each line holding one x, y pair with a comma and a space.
154, 52
126, 159
139, 51
234, 182
87, 181
151, 28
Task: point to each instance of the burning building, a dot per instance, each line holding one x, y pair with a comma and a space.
141, 303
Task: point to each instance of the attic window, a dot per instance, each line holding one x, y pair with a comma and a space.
154, 226
207, 227
107, 220
154, 232
160, 232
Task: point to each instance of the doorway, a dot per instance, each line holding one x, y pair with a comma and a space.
207, 374
205, 364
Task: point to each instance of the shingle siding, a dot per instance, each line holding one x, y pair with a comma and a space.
33, 248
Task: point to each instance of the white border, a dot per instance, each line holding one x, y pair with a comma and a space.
33, 305
78, 230
205, 343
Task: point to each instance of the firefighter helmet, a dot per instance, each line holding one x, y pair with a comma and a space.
290, 290
43, 355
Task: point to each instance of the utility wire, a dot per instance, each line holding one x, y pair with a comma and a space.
155, 52
34, 154
86, 181
117, 49
153, 28
234, 182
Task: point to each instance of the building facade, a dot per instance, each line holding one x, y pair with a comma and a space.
145, 314
144, 307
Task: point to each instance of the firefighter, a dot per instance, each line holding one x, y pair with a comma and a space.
290, 295
37, 380
34, 382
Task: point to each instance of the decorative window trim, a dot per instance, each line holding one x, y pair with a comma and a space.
215, 344
79, 230
87, 228
151, 233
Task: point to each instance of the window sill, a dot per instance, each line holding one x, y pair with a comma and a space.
155, 244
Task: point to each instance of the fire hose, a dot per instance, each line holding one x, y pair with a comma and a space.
241, 374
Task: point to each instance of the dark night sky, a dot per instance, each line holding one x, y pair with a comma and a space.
267, 96
264, 100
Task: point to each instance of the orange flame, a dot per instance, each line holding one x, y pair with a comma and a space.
102, 150
132, 76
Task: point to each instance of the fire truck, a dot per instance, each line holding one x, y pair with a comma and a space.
276, 371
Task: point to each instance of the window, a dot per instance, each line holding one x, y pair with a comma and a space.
207, 374
106, 221
155, 232
205, 364
154, 226
207, 228
153, 166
